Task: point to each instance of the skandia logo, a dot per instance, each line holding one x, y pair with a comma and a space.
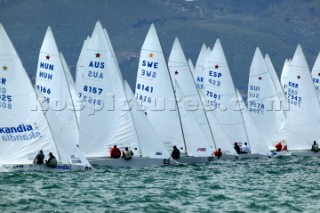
20, 128
23, 132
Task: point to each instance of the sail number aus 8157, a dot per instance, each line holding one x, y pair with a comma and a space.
94, 90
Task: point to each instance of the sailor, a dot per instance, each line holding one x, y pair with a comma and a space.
278, 147
175, 153
237, 147
52, 161
39, 159
315, 147
284, 148
115, 152
218, 153
127, 154
245, 148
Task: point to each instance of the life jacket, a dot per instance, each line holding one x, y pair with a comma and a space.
278, 147
115, 153
127, 155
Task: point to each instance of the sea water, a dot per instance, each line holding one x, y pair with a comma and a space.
288, 184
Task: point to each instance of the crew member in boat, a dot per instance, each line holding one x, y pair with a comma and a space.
285, 148
175, 153
127, 154
315, 147
237, 147
245, 148
39, 159
278, 147
115, 152
218, 153
52, 161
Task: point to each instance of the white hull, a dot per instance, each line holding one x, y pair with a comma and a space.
134, 162
252, 156
305, 153
195, 160
43, 167
280, 154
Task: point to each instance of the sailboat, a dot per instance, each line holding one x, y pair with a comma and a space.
221, 95
303, 118
75, 103
284, 78
191, 67
315, 73
155, 92
258, 146
264, 103
199, 69
52, 82
24, 127
106, 120
196, 129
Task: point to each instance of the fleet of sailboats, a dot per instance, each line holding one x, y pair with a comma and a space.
174, 103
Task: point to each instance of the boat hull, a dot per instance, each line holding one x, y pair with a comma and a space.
252, 156
44, 168
281, 154
305, 153
134, 162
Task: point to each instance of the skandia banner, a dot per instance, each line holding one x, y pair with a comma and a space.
21, 132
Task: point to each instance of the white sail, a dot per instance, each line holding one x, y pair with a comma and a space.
81, 67
191, 66
24, 129
257, 144
196, 142
284, 78
220, 138
51, 81
221, 96
199, 69
68, 150
192, 104
150, 143
155, 92
264, 103
276, 83
103, 121
315, 73
303, 118
76, 105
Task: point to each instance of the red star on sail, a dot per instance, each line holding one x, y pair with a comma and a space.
260, 78
176, 72
216, 67
5, 68
98, 55
298, 77
48, 57
151, 55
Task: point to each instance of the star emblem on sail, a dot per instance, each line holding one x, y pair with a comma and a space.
98, 55
151, 55
48, 57
216, 66
5, 68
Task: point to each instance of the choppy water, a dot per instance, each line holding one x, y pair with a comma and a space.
275, 185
